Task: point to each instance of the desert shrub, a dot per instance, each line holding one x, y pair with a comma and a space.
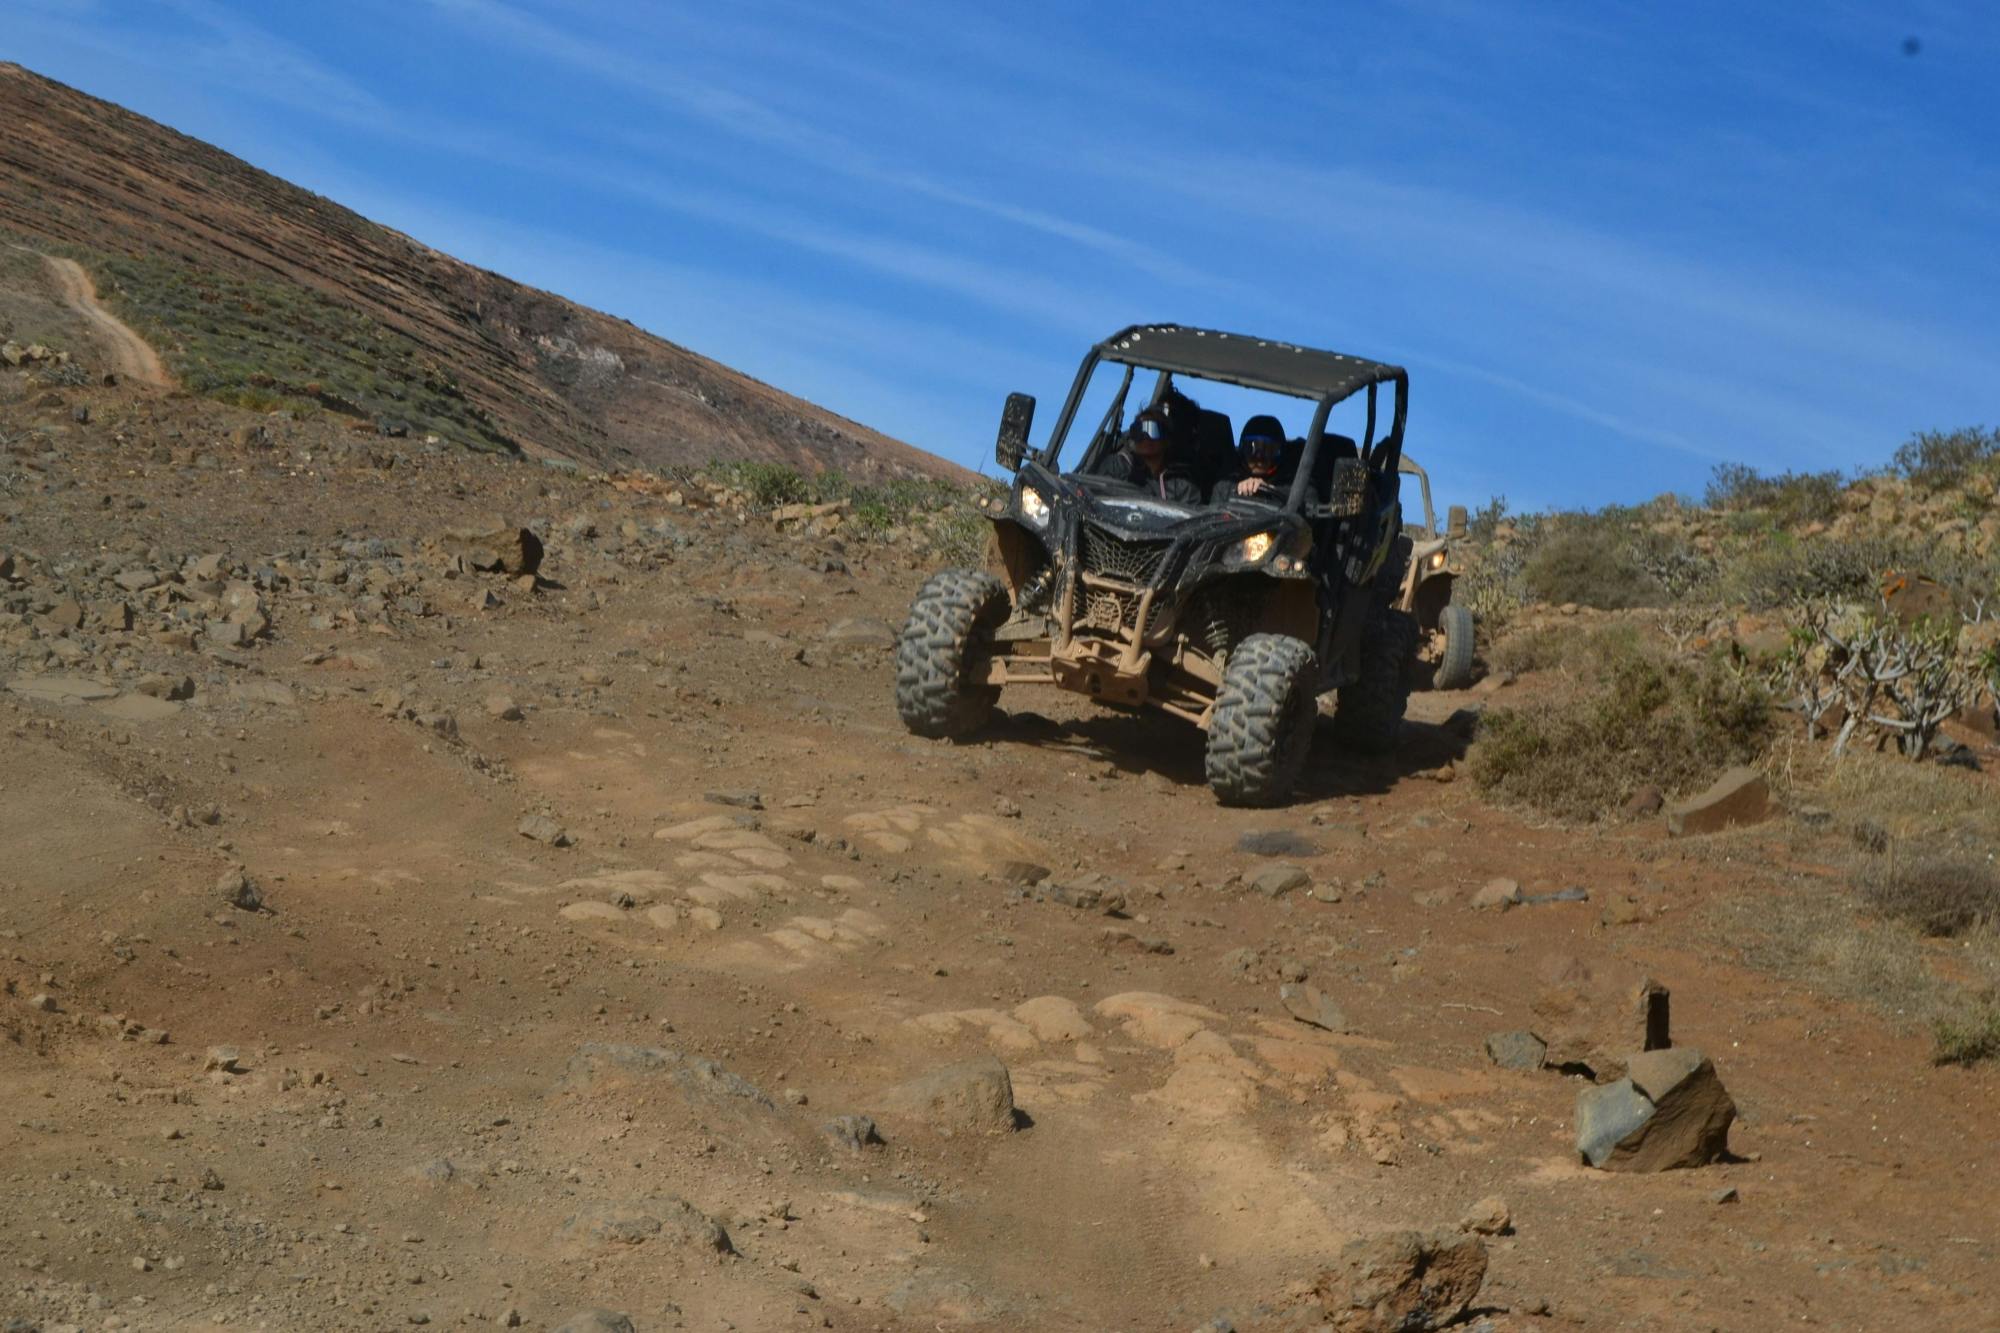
1942, 894
1634, 717
1791, 498
767, 485
1783, 570
1966, 1035
1485, 520
1941, 460
1581, 566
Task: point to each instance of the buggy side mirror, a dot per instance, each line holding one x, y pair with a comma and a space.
1015, 419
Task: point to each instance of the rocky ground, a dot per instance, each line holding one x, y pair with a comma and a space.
389, 941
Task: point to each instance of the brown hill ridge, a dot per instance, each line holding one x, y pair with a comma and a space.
541, 373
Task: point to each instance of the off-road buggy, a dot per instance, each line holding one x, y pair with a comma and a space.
1428, 583
1235, 615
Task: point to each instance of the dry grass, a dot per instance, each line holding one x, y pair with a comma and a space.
1914, 849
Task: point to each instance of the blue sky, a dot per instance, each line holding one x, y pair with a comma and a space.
1614, 243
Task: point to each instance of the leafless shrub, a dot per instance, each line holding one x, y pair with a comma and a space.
1944, 895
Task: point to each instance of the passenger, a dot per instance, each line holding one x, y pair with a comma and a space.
1148, 459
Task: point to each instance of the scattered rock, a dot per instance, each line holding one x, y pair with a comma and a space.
511, 551
1489, 1217
638, 1222
1497, 894
503, 707
861, 633
598, 1320
975, 1097
544, 830
239, 891
1311, 1005
223, 1059
1278, 880
743, 799
1669, 1111
1518, 1049
853, 1132
1402, 1281
1024, 873
1727, 1194
1739, 797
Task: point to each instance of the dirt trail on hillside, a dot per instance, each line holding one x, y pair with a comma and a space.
130, 355
578, 918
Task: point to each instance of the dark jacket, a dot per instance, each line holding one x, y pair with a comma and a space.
1173, 484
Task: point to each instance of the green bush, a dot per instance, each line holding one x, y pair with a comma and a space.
1581, 566
1792, 498
1941, 460
1633, 717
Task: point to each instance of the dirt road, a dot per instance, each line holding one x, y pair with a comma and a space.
587, 913
131, 356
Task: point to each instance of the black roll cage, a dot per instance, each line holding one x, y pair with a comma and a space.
1381, 456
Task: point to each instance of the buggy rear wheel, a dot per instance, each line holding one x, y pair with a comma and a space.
945, 640
1454, 670
1262, 728
1369, 714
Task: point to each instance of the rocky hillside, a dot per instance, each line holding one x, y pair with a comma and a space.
267, 295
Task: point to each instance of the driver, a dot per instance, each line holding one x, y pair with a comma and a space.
1262, 455
1146, 458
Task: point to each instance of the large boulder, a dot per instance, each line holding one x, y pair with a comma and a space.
975, 1097
1669, 1111
1402, 1281
1738, 797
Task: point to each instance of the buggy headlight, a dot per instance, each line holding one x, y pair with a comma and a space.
1436, 560
1255, 547
1033, 507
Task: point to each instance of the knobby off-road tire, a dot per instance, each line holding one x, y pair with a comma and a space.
1454, 671
950, 627
1369, 713
1262, 728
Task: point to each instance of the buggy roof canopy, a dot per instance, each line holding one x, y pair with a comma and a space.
1253, 363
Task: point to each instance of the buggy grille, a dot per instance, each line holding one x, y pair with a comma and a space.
1134, 562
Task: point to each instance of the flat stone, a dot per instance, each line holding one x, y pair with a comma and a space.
1312, 1006
862, 632
1278, 880
597, 1320
61, 689
1739, 797
544, 830
1497, 895
516, 552
1518, 1049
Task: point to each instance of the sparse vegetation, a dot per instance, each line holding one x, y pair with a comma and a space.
936, 516
1944, 895
1942, 460
1791, 498
274, 346
1632, 716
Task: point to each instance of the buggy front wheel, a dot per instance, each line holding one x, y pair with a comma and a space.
943, 649
1262, 727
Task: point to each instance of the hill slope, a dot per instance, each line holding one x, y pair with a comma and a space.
261, 291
